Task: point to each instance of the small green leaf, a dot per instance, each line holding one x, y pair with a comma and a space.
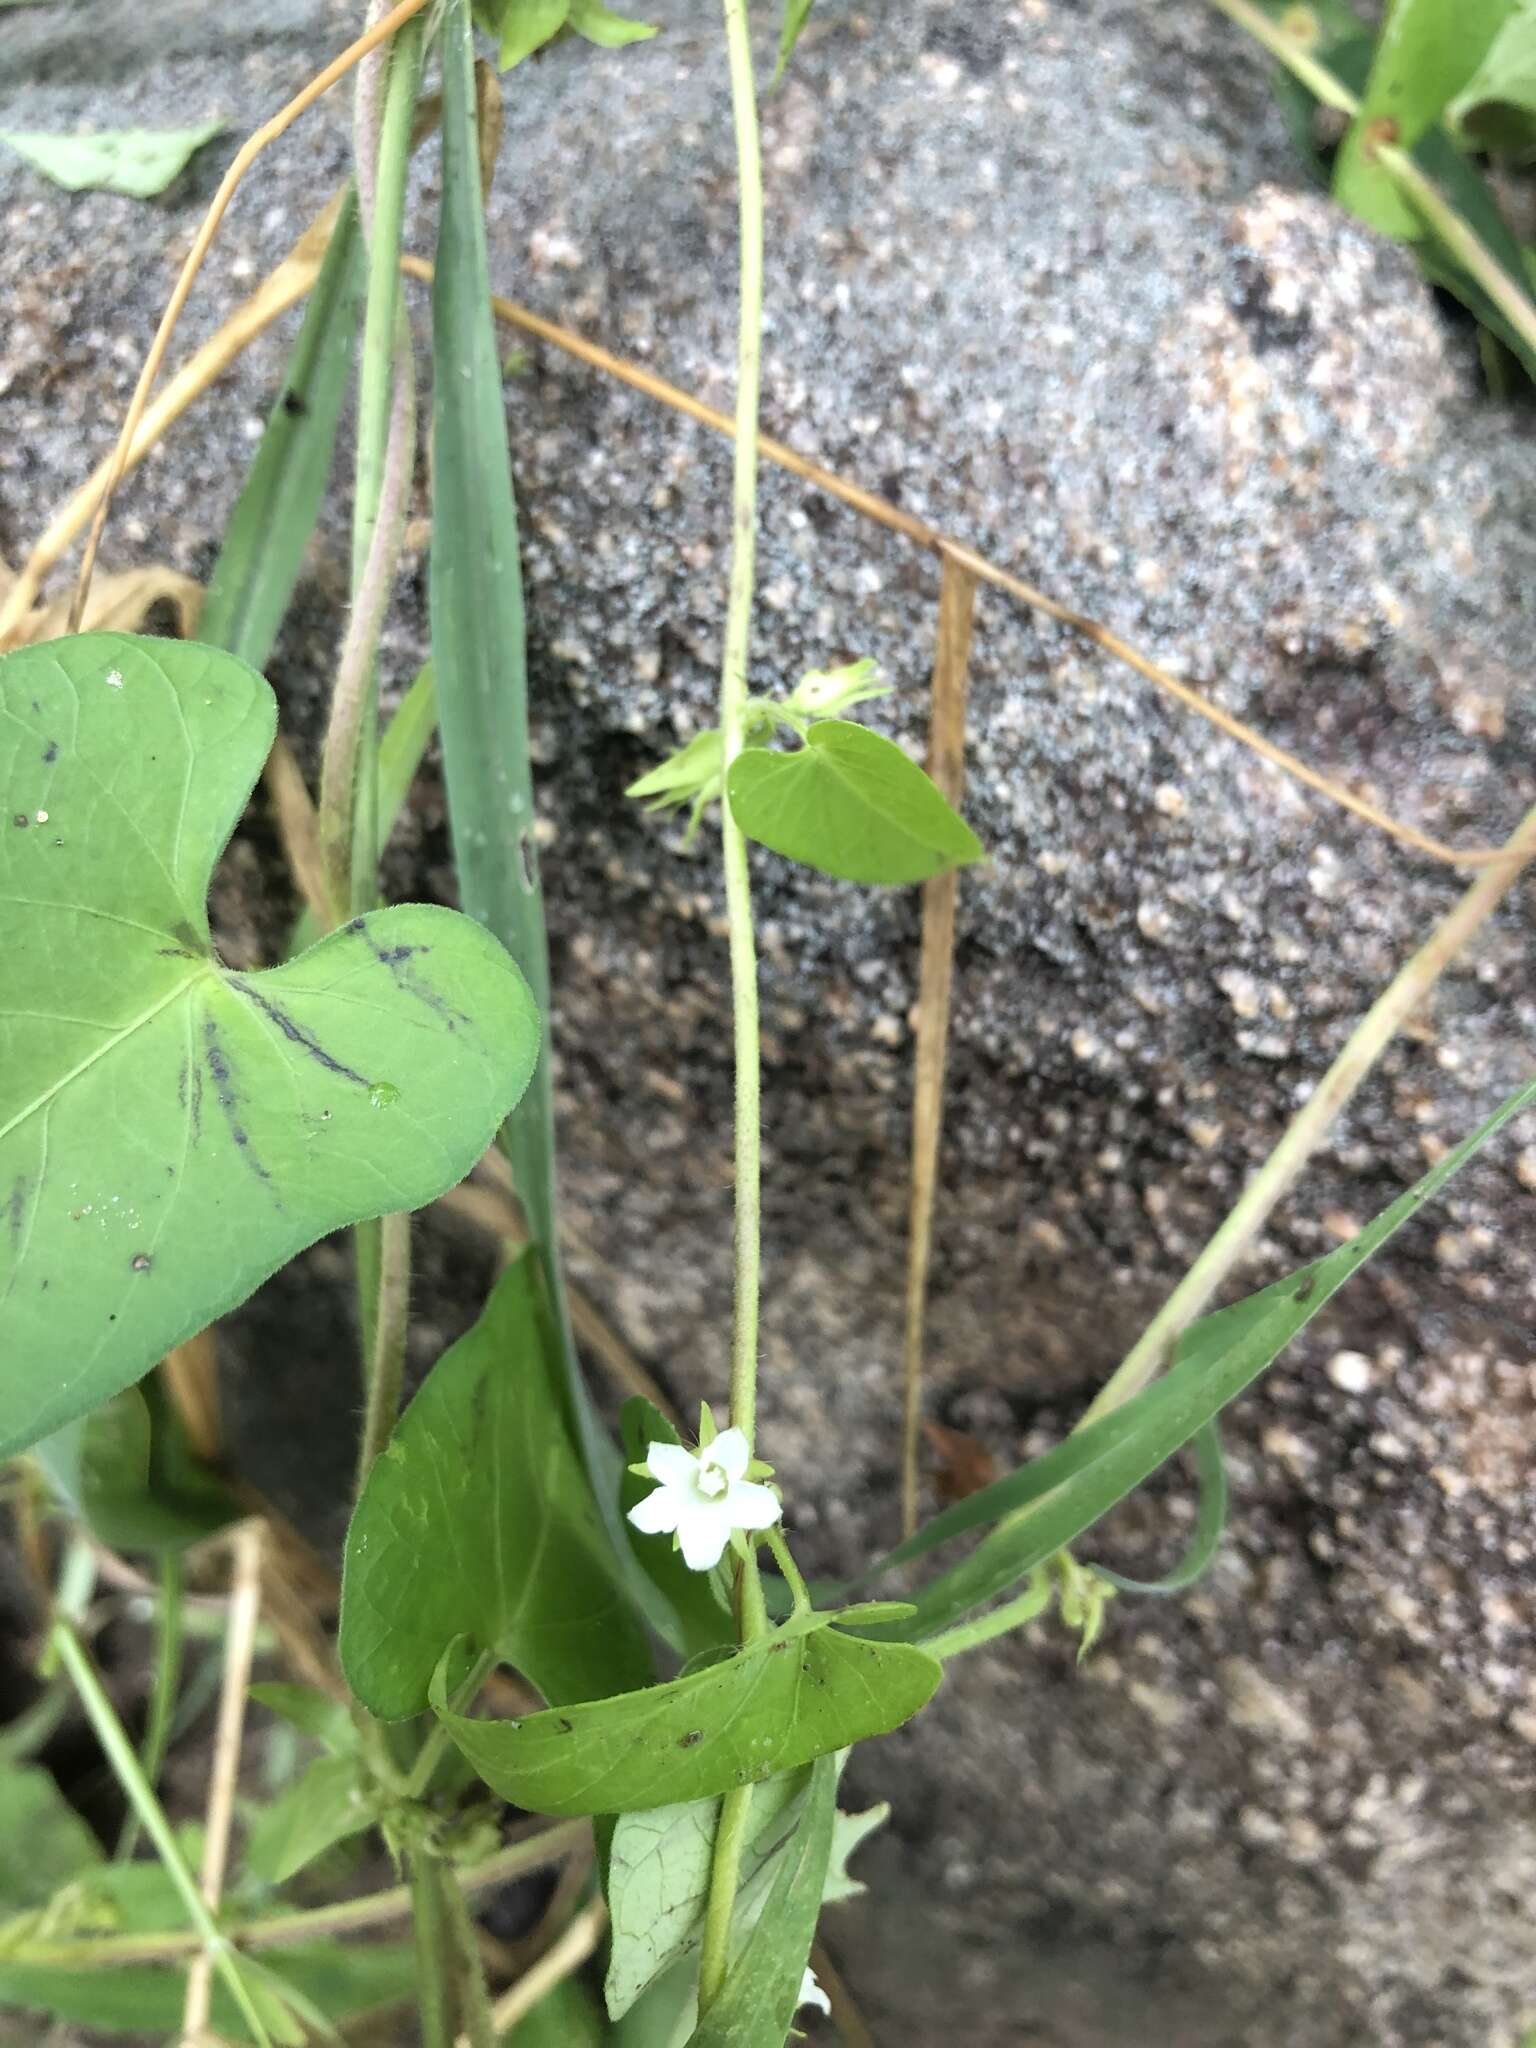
323, 1806
697, 1603
849, 1832
1497, 109
757, 2002
171, 1131
58, 1845
478, 1522
125, 1471
659, 1864
600, 25
566, 2017
783, 1702
690, 776
1427, 52
275, 514
850, 804
139, 163
796, 14
324, 1720
521, 26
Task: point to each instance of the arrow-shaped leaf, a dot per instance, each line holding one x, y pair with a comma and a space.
478, 1522
170, 1131
781, 1703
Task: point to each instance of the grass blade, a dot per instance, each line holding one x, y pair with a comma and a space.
479, 656
1070, 1488
264, 545
1210, 1525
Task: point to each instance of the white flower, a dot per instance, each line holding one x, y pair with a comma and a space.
704, 1497
811, 1993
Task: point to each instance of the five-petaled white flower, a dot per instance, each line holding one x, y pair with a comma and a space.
811, 1993
703, 1497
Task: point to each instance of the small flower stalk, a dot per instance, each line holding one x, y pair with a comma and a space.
705, 1498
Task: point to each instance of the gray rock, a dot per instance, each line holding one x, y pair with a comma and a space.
1045, 276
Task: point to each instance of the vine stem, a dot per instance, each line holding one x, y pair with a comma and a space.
736, 1806
1420, 191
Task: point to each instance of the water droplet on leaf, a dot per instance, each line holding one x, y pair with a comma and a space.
383, 1095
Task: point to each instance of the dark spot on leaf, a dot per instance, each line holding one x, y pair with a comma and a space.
691, 1739
20, 819
295, 1033
566, 1727
184, 935
294, 406
397, 959
141, 1262
229, 1101
16, 1209
174, 953
51, 752
1307, 1289
776, 1649
355, 925
528, 861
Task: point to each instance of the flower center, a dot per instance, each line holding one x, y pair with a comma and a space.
713, 1482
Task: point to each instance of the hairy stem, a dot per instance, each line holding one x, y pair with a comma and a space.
733, 707
473, 2001
434, 1941
736, 1806
390, 1275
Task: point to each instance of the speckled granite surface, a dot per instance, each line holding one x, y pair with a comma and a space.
1044, 274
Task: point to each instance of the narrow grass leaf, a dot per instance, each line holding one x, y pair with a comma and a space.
1210, 1524
479, 657
1073, 1485
275, 515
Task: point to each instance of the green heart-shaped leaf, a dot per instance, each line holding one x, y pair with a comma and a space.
851, 804
783, 1702
170, 1131
477, 1522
